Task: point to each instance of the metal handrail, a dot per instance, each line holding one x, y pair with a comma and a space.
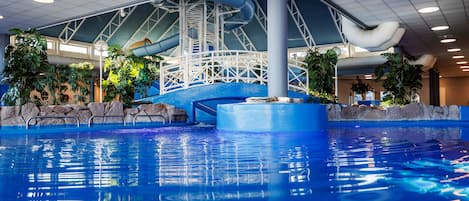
52, 117
90, 120
148, 115
226, 66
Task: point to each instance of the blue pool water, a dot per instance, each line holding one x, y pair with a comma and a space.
199, 163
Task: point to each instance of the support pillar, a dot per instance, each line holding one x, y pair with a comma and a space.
434, 82
277, 30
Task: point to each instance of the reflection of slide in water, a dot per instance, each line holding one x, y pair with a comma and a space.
246, 12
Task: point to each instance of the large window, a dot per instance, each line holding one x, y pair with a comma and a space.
73, 48
96, 53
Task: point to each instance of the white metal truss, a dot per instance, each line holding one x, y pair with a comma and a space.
147, 26
261, 16
114, 24
70, 29
226, 66
173, 28
337, 17
243, 39
301, 24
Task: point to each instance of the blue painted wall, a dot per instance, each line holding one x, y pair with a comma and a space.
464, 113
184, 98
3, 89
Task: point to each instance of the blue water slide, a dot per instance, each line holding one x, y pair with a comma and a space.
158, 47
245, 14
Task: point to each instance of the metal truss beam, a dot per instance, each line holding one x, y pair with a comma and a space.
337, 17
147, 26
173, 28
260, 16
70, 30
243, 39
301, 24
114, 24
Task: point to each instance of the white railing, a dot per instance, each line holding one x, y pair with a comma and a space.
226, 67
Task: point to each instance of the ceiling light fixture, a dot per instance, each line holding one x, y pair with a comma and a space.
463, 67
44, 1
461, 62
465, 70
448, 40
1, 17
458, 57
428, 9
454, 50
440, 28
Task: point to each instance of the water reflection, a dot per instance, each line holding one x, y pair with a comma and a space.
192, 163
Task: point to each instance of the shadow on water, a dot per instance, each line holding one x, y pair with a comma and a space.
200, 163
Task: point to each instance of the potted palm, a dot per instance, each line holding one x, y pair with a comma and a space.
361, 88
403, 80
321, 73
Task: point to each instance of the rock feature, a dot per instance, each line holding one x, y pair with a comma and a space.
151, 112
17, 116
114, 109
10, 116
415, 111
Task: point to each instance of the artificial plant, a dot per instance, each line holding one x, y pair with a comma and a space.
55, 78
80, 76
128, 74
25, 64
361, 88
321, 73
403, 80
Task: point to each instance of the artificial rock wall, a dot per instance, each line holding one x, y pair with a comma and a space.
415, 111
18, 115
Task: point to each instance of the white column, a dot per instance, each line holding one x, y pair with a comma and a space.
277, 30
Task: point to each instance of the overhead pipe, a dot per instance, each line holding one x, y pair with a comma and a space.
360, 65
382, 37
427, 61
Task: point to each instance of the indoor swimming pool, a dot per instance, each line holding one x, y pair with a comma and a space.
200, 163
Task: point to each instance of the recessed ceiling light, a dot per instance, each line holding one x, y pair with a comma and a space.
440, 28
44, 1
465, 70
448, 40
428, 9
458, 57
454, 50
461, 62
1, 17
463, 66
